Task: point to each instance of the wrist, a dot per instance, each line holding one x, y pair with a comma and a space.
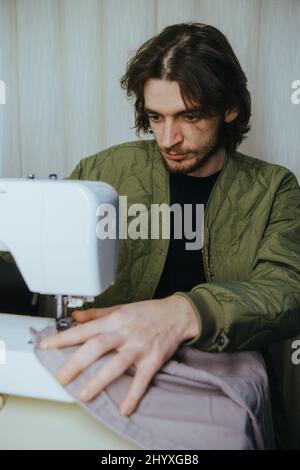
191, 324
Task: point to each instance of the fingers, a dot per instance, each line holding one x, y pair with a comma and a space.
107, 374
138, 388
86, 356
83, 316
79, 334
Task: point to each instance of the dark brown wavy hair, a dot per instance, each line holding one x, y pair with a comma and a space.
200, 59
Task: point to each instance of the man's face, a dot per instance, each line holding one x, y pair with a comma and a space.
187, 141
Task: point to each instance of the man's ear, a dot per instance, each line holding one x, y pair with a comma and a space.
231, 114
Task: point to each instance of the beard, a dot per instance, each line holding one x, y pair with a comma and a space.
196, 160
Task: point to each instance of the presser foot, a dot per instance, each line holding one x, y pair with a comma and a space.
63, 319
64, 324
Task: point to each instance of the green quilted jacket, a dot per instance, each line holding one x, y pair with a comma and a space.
251, 250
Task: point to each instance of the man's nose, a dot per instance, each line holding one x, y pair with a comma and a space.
172, 135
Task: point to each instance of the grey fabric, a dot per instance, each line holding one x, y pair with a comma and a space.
196, 401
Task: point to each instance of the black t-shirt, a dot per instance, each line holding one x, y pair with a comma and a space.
184, 268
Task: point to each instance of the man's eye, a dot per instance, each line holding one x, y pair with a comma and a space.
188, 117
153, 117
191, 118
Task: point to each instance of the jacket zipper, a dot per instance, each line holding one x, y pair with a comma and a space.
165, 250
207, 268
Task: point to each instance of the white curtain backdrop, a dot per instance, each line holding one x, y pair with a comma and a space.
61, 61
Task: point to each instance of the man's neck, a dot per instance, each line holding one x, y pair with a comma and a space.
214, 164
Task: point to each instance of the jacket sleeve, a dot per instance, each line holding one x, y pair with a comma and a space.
265, 307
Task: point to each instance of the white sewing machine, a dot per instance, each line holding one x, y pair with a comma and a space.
50, 227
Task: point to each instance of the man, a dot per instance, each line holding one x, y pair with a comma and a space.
242, 290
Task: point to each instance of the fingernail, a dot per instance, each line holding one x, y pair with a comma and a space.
44, 344
84, 395
124, 410
62, 377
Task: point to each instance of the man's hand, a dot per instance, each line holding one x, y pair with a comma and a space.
143, 334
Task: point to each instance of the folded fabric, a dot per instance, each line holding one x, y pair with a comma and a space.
196, 401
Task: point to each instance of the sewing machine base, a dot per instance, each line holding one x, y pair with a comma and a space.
34, 424
31, 400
